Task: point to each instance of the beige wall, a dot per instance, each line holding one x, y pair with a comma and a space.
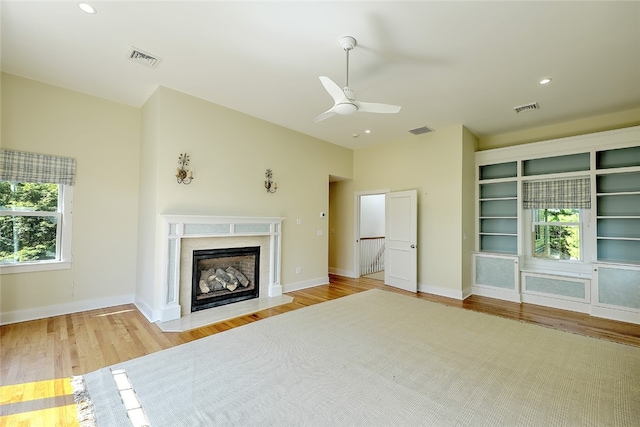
230, 152
126, 165
616, 120
433, 165
104, 138
469, 148
444, 156
147, 203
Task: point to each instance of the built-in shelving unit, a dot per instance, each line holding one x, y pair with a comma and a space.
618, 205
606, 281
498, 208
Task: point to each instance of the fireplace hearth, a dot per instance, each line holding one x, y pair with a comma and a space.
224, 276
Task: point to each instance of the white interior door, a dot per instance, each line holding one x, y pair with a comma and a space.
401, 232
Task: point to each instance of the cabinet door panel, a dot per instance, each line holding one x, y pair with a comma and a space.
619, 287
497, 272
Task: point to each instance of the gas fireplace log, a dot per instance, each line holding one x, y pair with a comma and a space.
230, 282
239, 276
217, 279
203, 287
209, 277
220, 273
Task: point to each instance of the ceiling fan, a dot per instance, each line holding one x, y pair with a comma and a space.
344, 99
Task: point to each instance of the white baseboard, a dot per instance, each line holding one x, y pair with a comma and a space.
613, 314
497, 293
62, 309
443, 292
144, 308
343, 273
290, 287
467, 292
563, 304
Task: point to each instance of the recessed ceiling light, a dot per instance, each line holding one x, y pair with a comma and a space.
545, 81
86, 7
367, 131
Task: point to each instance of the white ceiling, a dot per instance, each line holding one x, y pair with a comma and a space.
445, 63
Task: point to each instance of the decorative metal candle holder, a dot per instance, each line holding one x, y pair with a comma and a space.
269, 184
184, 175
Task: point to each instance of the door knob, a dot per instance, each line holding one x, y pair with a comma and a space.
413, 246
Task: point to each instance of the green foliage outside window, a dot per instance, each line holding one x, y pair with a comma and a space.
27, 237
557, 233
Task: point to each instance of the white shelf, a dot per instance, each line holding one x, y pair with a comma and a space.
498, 198
619, 193
607, 171
618, 238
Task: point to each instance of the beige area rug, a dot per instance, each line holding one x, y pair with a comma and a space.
380, 359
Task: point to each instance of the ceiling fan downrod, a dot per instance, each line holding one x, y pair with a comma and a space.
347, 43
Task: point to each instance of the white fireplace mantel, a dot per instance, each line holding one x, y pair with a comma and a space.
178, 227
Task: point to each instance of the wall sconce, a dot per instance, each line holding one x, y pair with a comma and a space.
184, 175
269, 184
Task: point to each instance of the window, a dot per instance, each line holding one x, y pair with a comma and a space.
556, 217
30, 215
556, 234
35, 211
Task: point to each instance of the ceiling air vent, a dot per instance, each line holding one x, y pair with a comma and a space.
527, 107
421, 130
144, 58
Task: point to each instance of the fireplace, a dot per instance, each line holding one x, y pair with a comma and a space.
224, 276
183, 234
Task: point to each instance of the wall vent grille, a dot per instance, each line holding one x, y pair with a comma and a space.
527, 107
421, 130
144, 58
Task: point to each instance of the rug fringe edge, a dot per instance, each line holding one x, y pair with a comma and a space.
84, 407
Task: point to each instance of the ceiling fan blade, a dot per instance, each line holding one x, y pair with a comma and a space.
325, 115
334, 90
372, 107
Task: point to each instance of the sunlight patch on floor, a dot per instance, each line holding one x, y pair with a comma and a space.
40, 403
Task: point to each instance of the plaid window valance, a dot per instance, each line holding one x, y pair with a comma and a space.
560, 194
20, 166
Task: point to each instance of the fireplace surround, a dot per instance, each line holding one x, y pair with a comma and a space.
186, 233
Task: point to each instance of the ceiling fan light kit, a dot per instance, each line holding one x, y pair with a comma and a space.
345, 108
345, 102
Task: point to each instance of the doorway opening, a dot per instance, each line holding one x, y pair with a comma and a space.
370, 239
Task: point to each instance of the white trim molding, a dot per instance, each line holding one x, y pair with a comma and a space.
306, 284
179, 227
344, 273
25, 315
444, 292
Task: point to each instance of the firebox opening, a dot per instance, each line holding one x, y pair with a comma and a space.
224, 276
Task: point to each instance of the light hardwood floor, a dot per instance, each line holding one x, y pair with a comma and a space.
37, 357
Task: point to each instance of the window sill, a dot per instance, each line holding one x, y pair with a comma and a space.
33, 267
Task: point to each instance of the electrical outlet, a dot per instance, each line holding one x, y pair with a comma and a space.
298, 270
299, 221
